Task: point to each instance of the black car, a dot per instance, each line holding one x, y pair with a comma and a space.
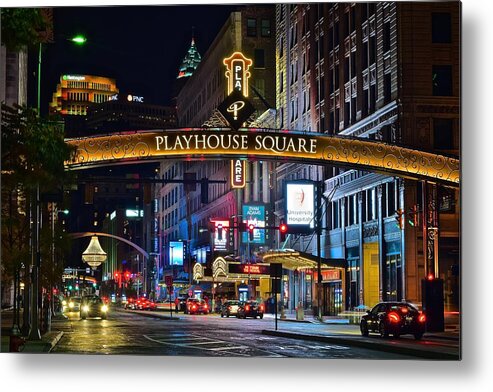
396, 318
250, 309
93, 306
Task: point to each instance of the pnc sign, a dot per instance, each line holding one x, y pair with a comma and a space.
236, 109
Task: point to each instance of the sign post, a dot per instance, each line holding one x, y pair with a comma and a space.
168, 280
276, 277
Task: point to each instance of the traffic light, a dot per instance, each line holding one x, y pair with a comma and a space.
219, 228
127, 275
251, 227
204, 191
413, 216
283, 230
117, 275
70, 288
398, 218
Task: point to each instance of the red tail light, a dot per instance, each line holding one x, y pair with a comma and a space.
205, 306
194, 307
422, 318
404, 310
394, 317
247, 308
262, 308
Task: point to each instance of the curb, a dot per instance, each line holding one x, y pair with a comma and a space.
365, 344
45, 345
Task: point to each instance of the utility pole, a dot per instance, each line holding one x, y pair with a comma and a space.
319, 249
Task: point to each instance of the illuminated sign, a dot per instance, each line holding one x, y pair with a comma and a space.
255, 215
300, 206
114, 97
308, 148
113, 215
194, 143
221, 234
176, 253
134, 213
235, 109
135, 98
238, 173
252, 269
77, 78
237, 73
331, 275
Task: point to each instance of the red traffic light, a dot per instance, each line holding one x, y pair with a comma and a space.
251, 226
116, 275
127, 275
283, 228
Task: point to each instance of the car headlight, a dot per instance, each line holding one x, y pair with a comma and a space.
85, 308
104, 308
64, 303
71, 305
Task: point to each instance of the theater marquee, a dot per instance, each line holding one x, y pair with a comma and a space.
309, 148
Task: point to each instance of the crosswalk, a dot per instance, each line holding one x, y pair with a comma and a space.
210, 346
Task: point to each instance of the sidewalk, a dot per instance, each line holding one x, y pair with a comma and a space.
335, 330
45, 345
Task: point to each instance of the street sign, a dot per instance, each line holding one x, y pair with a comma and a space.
168, 279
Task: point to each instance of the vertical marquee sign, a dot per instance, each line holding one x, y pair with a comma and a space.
237, 73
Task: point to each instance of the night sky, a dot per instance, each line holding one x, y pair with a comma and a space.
140, 46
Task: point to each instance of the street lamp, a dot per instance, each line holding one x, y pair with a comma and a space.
34, 333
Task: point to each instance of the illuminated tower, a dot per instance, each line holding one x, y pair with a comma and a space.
190, 62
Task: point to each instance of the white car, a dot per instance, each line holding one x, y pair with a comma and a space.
230, 308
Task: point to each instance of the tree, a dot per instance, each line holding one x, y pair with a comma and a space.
33, 153
21, 27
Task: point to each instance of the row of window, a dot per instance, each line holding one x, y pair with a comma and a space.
265, 27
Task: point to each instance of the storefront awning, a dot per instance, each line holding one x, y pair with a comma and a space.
292, 259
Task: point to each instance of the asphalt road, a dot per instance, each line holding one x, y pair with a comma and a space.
129, 333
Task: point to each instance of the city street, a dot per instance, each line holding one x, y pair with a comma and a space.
128, 332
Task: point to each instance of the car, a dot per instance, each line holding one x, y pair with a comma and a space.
196, 306
93, 306
181, 304
396, 318
72, 305
250, 309
147, 304
230, 308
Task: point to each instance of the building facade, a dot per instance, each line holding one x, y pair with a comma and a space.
250, 31
389, 72
75, 94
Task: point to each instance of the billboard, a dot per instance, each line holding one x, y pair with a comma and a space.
176, 253
300, 206
254, 214
220, 244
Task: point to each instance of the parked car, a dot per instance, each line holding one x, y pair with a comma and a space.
250, 309
147, 304
396, 318
196, 306
230, 308
93, 306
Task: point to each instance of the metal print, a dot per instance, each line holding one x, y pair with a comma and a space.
254, 180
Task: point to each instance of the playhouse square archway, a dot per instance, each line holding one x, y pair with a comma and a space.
264, 144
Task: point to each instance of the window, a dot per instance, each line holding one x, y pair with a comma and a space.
386, 37
346, 24
331, 39
353, 19
251, 27
259, 58
265, 28
346, 69
387, 87
364, 56
373, 49
443, 138
441, 28
336, 77
442, 80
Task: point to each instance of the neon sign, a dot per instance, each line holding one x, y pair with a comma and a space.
237, 73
